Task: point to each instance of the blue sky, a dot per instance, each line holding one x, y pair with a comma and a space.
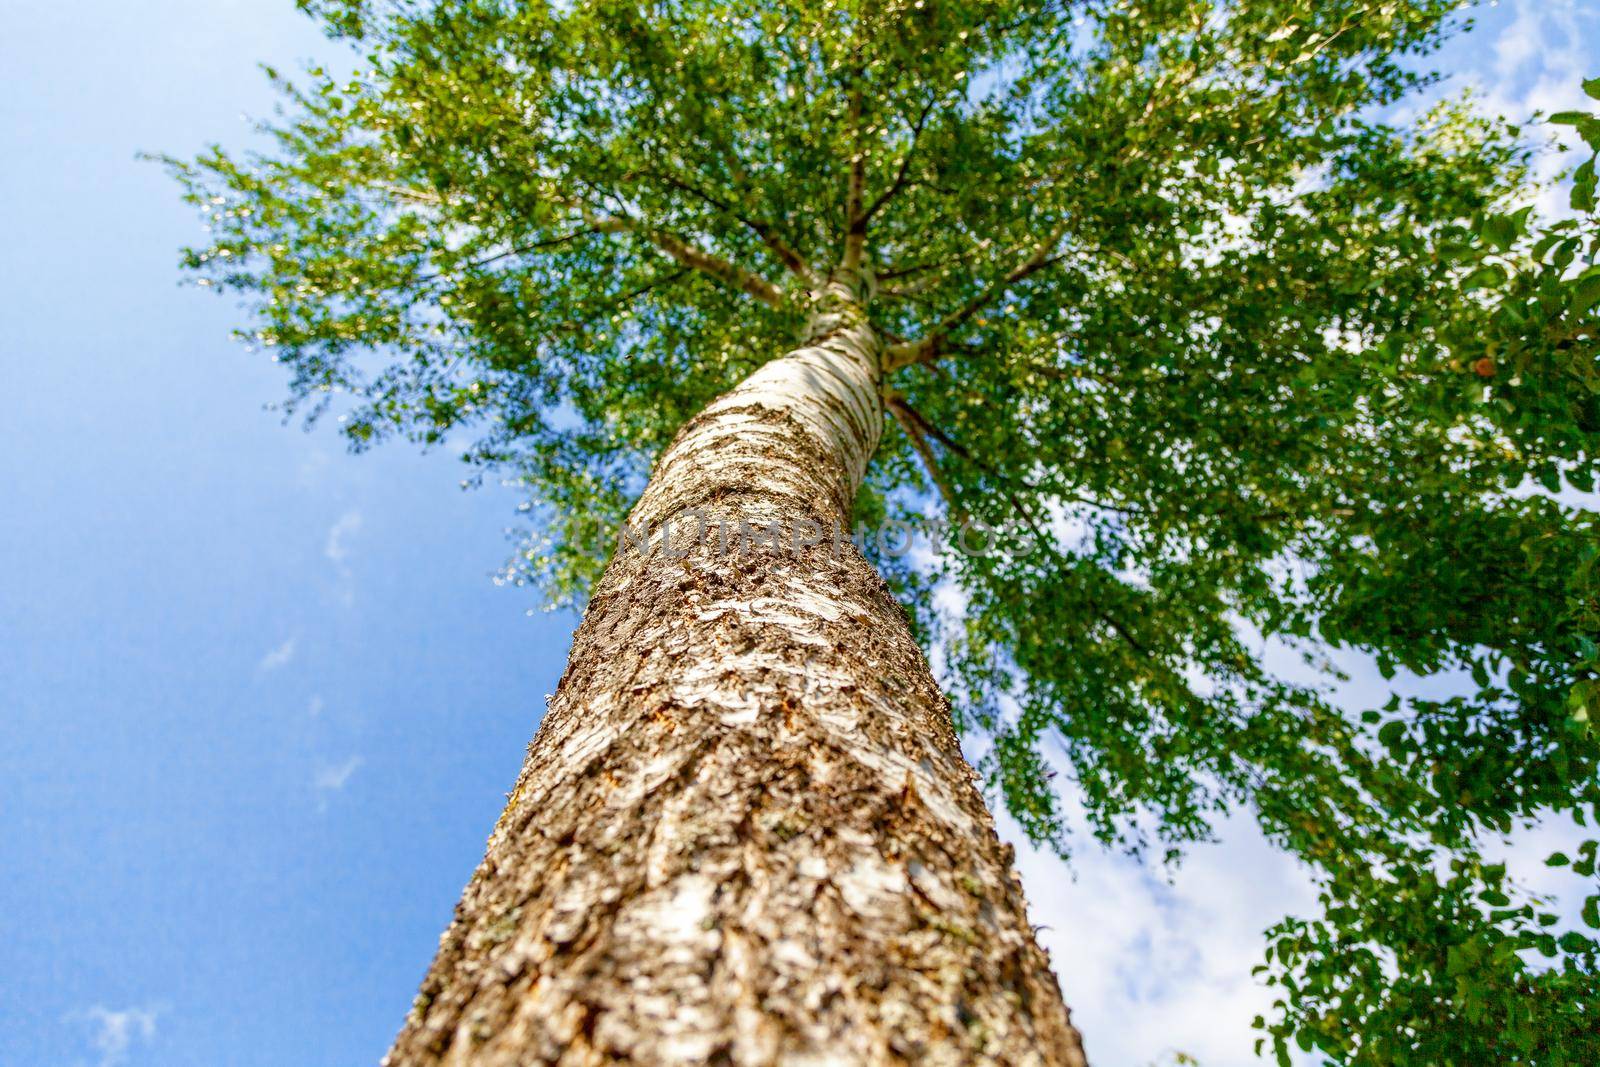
259, 699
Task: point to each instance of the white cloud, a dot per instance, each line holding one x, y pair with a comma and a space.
1150, 966
116, 1032
1524, 854
1522, 41
337, 547
316, 706
333, 777
1540, 60
277, 657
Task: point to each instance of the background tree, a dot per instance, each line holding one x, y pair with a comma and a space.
1253, 367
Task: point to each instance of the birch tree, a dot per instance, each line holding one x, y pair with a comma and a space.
1197, 346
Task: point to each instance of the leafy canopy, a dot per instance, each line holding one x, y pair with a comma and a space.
1266, 371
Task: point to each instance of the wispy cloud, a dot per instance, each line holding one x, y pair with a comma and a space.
277, 658
115, 1033
337, 547
333, 777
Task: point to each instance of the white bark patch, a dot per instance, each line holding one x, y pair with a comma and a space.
870, 886
794, 615
674, 917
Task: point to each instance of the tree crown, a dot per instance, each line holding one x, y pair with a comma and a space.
1259, 367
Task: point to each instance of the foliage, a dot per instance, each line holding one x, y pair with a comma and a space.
1261, 370
1421, 957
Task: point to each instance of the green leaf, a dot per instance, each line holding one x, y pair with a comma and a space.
1500, 231
1572, 941
1487, 276
1391, 734
1586, 291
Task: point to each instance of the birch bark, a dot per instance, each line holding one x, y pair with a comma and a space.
745, 833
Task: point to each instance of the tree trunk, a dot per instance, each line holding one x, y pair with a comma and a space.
745, 833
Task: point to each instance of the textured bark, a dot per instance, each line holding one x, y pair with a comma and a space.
745, 833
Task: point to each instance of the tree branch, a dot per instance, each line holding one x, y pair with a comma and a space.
916, 425
786, 255
1044, 538
952, 444
905, 165
518, 250
936, 264
934, 344
730, 274
908, 421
